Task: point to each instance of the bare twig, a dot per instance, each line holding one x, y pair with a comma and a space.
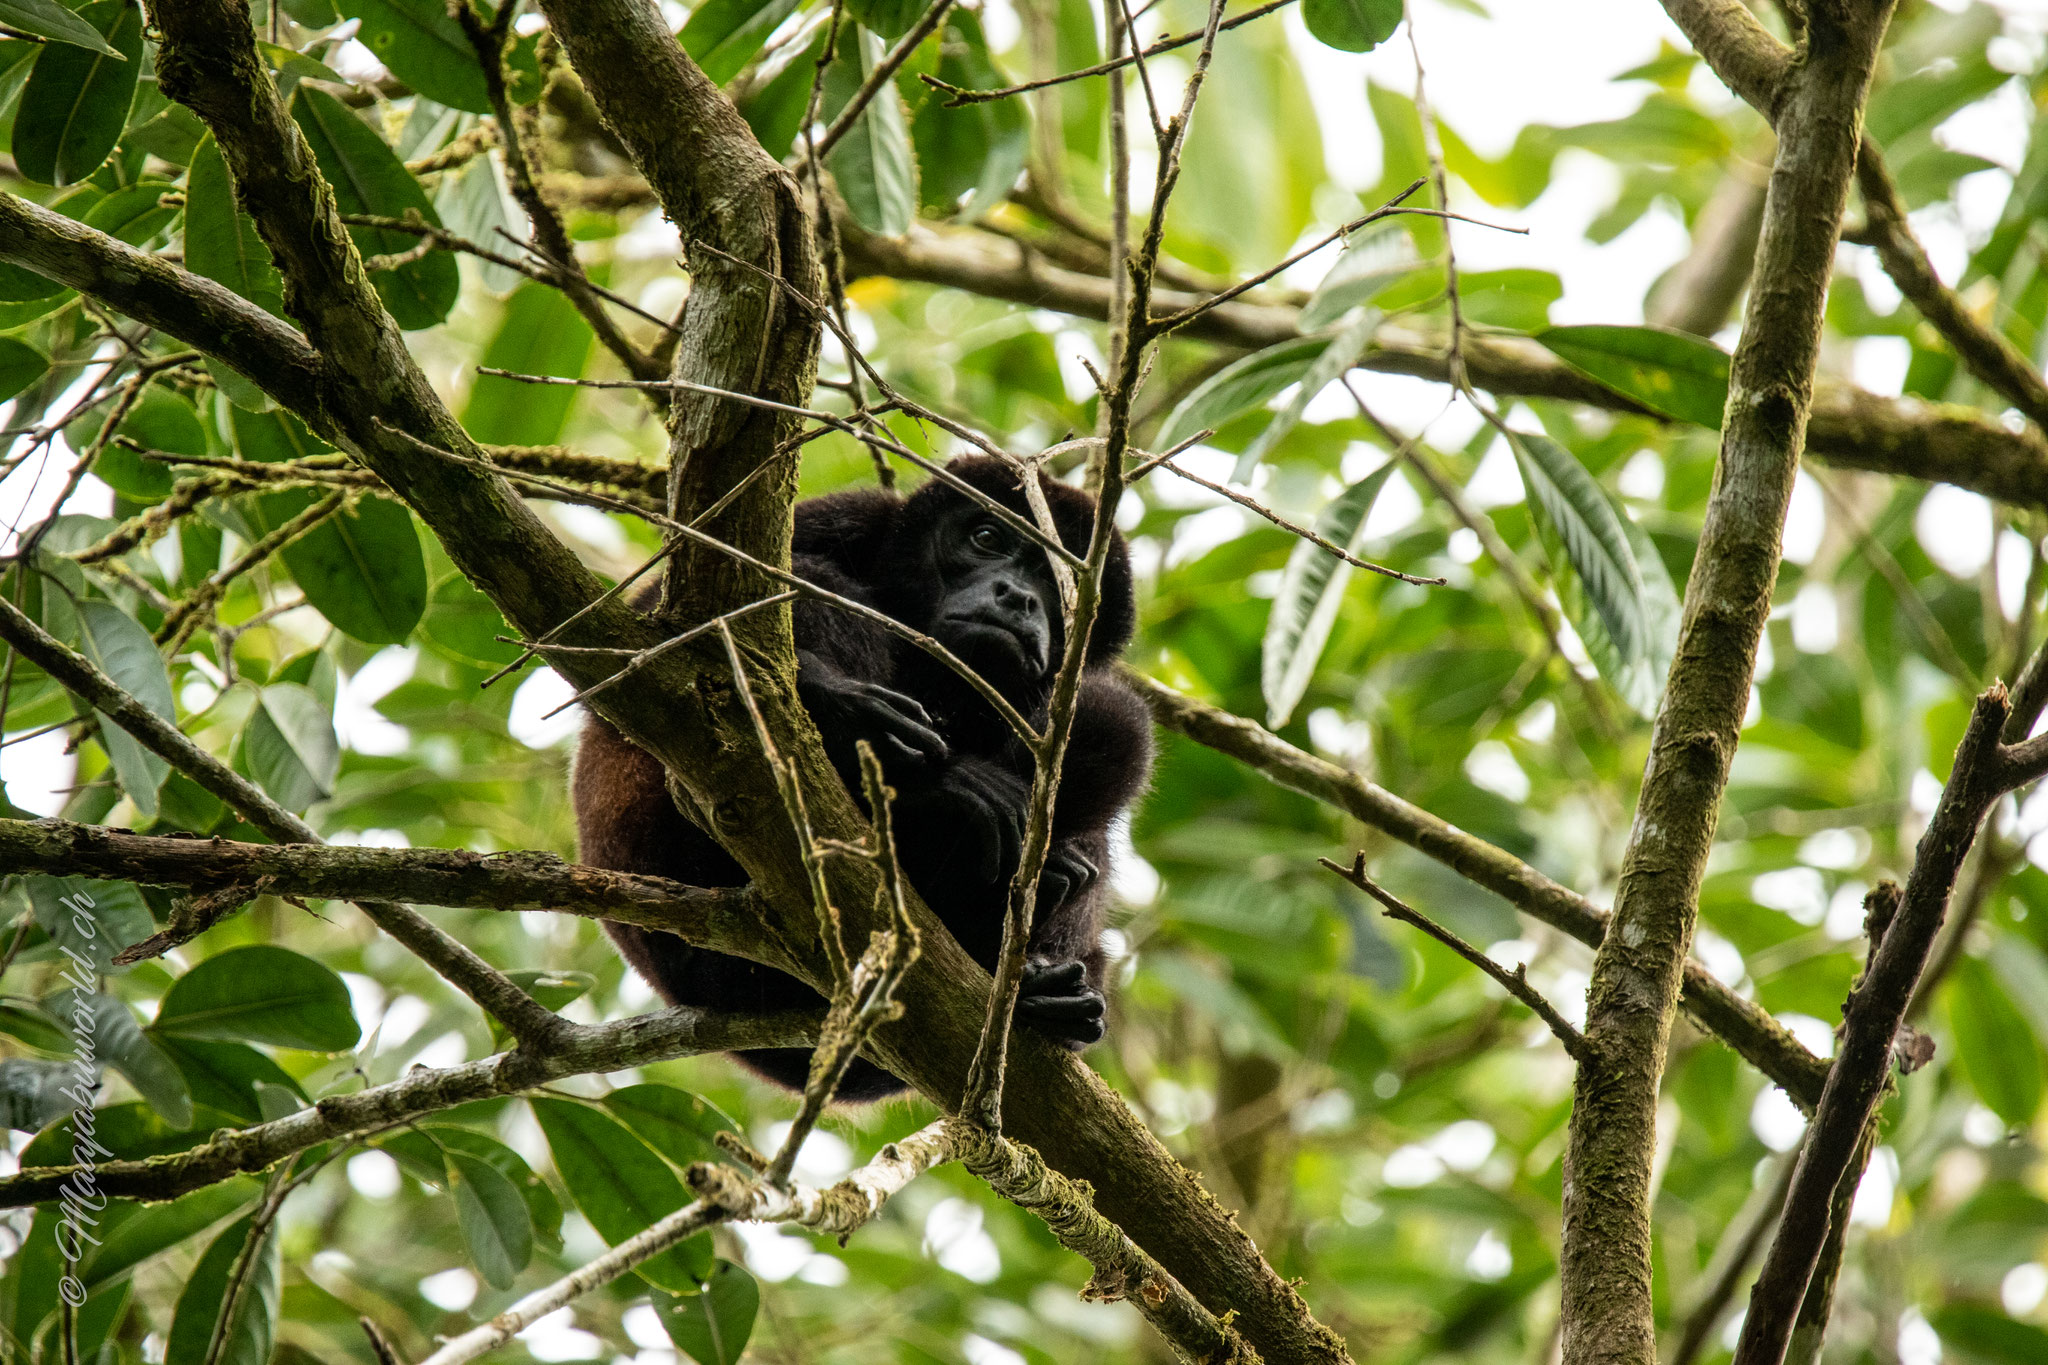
1515, 983
883, 74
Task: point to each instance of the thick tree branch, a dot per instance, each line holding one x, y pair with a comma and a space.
263, 349
1848, 428
1742, 1024
579, 1050
722, 919
1605, 1266
1984, 771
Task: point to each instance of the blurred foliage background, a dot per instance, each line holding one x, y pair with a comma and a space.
1389, 1128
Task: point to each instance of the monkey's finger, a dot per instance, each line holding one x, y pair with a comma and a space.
1054, 978
1089, 1006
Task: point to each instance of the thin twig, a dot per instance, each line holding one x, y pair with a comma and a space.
883, 74
1515, 983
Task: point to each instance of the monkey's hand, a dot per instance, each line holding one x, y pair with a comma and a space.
1066, 878
847, 709
1057, 1000
978, 807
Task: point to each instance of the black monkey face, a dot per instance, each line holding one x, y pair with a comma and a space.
997, 605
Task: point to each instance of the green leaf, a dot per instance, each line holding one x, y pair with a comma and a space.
495, 1224
1998, 1052
134, 214
722, 36
290, 746
263, 994
124, 651
32, 1092
1667, 372
621, 1186
712, 1327
1639, 681
542, 333
890, 18
368, 178
47, 19
227, 1076
20, 366
1242, 386
36, 1030
362, 567
423, 47
679, 1125
1376, 256
1311, 593
969, 158
423, 1152
94, 920
1984, 1335
221, 244
1587, 528
1519, 298
1352, 25
76, 102
473, 204
161, 421
872, 164
1338, 356
105, 1025
253, 1327
155, 1228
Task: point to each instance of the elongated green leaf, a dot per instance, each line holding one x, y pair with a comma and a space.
361, 567
253, 1326
124, 651
1240, 387
473, 204
1588, 532
1376, 257
1999, 1053
968, 158
135, 213
1311, 592
542, 333
679, 1125
1352, 25
36, 1030
106, 1026
262, 994
424, 48
221, 243
1667, 372
722, 36
32, 1092
154, 1228
368, 178
1640, 681
873, 163
76, 102
227, 1076
47, 19
290, 746
20, 366
1337, 358
495, 1224
93, 919
712, 1327
621, 1186
423, 1152
161, 421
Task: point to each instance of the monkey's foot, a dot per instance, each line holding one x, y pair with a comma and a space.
1058, 1001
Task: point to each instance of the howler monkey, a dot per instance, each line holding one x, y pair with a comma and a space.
942, 564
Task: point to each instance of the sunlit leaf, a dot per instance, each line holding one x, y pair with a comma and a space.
712, 1327
722, 36
621, 1186
1240, 387
76, 101
1588, 528
1352, 25
1311, 592
261, 993
1668, 372
495, 1224
423, 47
873, 164
125, 653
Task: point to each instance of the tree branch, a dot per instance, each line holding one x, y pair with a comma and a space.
722, 919
1740, 1023
578, 1050
1605, 1265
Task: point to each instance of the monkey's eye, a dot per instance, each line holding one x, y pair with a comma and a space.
987, 537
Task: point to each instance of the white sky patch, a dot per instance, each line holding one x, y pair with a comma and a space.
1642, 477
1799, 892
1491, 765
357, 722
373, 1174
1806, 520
1879, 364
38, 773
1953, 525
2014, 556
771, 1253
1874, 1194
1497, 482
979, 1350
529, 721
556, 1337
1918, 1342
1845, 912
822, 1159
1775, 1120
1836, 849
1722, 959
1490, 1259
1394, 510
2023, 1288
1816, 619
1816, 1035
453, 1290
955, 1238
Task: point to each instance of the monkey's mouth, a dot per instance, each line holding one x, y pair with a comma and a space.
983, 641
